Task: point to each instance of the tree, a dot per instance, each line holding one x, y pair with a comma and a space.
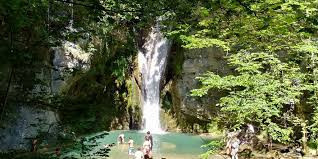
271, 44
262, 93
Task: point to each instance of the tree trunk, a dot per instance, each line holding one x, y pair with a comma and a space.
7, 94
10, 77
304, 137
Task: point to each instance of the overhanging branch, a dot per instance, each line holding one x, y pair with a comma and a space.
109, 11
98, 7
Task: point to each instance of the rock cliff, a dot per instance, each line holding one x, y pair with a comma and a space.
193, 114
31, 116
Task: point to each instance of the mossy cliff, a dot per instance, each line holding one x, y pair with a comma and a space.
191, 114
82, 93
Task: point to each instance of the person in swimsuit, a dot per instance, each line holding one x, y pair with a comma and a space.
147, 148
139, 154
121, 138
130, 146
148, 135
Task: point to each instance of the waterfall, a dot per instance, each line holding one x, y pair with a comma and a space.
72, 14
152, 62
70, 26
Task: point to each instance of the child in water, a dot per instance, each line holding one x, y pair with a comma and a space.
130, 146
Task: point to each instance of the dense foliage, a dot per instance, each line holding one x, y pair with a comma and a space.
29, 29
271, 45
109, 31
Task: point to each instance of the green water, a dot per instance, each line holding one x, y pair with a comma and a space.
169, 145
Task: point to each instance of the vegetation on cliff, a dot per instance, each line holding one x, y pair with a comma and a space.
271, 46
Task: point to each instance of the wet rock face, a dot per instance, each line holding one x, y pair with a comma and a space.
67, 58
197, 111
196, 63
29, 124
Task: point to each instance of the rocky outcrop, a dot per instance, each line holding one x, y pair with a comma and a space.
25, 120
66, 59
30, 123
193, 114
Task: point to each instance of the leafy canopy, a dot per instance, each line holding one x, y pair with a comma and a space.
272, 47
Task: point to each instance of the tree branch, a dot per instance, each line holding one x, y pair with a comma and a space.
109, 11
7, 93
98, 7
10, 78
246, 7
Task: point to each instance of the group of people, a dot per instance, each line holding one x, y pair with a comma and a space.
144, 152
237, 138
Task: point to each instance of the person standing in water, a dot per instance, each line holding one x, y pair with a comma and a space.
121, 138
147, 148
139, 154
130, 146
149, 136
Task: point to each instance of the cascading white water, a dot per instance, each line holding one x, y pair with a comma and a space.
152, 62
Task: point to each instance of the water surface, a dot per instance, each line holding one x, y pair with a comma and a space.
169, 145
